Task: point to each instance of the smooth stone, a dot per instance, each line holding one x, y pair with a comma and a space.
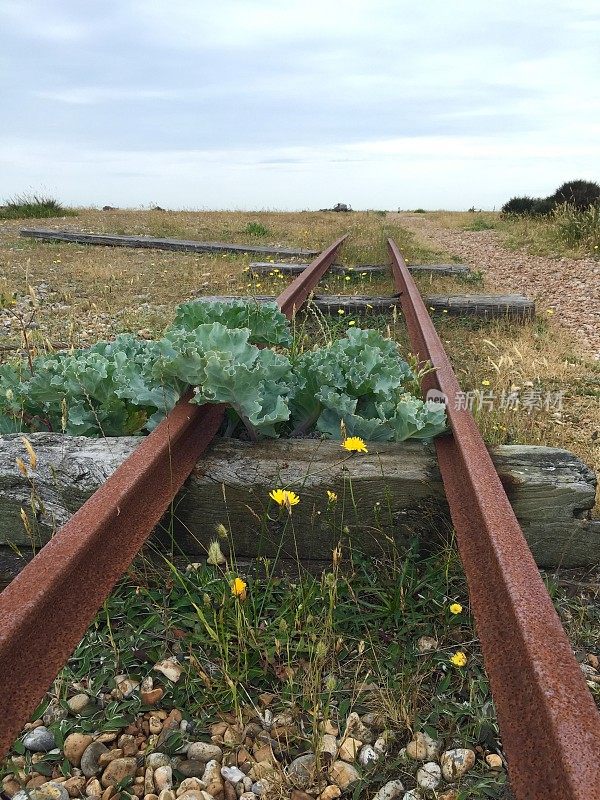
190, 785
380, 746
330, 793
151, 796
192, 794
75, 785
118, 770
202, 751
156, 760
75, 745
212, 778
356, 728
349, 749
298, 794
367, 755
163, 778
328, 746
79, 703
49, 791
170, 668
251, 796
192, 769
302, 770
39, 740
374, 719
125, 686
258, 789
456, 763
423, 747
427, 644
494, 761
414, 794
390, 791
54, 713
232, 774
89, 760
167, 794
93, 788
429, 776
343, 774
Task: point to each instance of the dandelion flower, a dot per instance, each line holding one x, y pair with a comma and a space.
341, 311
238, 589
331, 496
284, 498
485, 383
347, 278
352, 322
354, 444
550, 311
456, 608
459, 659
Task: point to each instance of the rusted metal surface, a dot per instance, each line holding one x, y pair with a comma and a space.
46, 609
297, 292
549, 723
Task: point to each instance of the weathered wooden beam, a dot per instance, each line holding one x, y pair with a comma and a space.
515, 307
264, 267
114, 240
393, 491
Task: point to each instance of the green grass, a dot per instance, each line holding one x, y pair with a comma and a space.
34, 206
256, 229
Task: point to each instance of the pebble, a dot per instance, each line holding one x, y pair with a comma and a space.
367, 755
380, 746
429, 776
75, 745
426, 644
193, 794
390, 791
125, 686
39, 740
151, 796
155, 724
192, 769
343, 774
106, 758
201, 751
413, 794
190, 785
212, 778
422, 747
356, 728
251, 796
493, 761
170, 668
90, 765
75, 785
163, 778
79, 703
10, 786
118, 770
298, 794
151, 697
330, 793
349, 749
232, 774
49, 791
328, 746
449, 794
456, 763
156, 760
166, 794
301, 771
54, 713
93, 788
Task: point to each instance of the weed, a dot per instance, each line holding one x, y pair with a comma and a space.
256, 229
480, 223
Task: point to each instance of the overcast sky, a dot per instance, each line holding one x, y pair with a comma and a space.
288, 104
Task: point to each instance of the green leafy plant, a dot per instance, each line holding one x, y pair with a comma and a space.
360, 385
256, 229
265, 321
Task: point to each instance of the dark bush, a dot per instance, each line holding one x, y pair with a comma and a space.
520, 205
580, 194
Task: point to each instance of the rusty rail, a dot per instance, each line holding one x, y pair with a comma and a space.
47, 608
548, 720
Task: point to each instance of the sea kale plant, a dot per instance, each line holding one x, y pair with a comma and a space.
358, 386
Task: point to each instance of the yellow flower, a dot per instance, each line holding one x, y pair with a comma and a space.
341, 311
550, 311
347, 278
459, 659
331, 496
238, 589
284, 498
354, 444
485, 383
456, 608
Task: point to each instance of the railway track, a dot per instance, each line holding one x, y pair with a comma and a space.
549, 724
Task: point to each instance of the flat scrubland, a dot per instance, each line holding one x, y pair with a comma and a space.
392, 638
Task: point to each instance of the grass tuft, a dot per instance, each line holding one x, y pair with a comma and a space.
29, 206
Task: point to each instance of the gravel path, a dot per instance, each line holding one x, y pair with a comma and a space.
570, 287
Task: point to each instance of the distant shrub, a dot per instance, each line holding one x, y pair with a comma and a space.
419, 211
256, 229
480, 224
520, 205
578, 194
27, 206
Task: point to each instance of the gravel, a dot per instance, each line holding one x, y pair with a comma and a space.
569, 287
